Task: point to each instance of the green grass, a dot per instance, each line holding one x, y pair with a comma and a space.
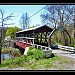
28, 62
14, 51
35, 61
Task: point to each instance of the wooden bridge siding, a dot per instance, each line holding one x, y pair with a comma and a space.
39, 33
22, 45
41, 38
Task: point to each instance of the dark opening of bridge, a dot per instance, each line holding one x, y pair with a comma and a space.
40, 34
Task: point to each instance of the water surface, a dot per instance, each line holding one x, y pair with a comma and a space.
6, 56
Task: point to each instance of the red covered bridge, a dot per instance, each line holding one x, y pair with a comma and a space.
36, 35
26, 42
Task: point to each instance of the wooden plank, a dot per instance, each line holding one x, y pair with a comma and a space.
26, 37
72, 49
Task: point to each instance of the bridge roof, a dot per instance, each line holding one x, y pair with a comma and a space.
42, 28
26, 37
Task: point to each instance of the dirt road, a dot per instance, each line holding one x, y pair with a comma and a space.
64, 53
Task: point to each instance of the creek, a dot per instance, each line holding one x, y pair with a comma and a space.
6, 56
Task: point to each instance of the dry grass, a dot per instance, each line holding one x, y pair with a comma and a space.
65, 63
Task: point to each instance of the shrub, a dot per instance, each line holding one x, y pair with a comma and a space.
35, 53
30, 48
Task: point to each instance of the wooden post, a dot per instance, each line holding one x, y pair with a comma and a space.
33, 42
46, 38
41, 38
33, 39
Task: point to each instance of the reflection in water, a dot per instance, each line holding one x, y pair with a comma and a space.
6, 56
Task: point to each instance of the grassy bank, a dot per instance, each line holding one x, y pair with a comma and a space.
13, 51
35, 61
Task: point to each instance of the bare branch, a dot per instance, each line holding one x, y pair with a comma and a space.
8, 17
9, 24
61, 14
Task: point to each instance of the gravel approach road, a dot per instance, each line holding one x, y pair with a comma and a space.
64, 53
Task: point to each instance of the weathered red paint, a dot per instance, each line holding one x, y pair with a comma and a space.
22, 45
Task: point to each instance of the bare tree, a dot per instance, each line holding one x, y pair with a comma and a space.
58, 16
74, 23
25, 22
2, 24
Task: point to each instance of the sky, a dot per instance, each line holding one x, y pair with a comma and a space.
18, 10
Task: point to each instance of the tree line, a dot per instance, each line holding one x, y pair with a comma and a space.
55, 16
62, 16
